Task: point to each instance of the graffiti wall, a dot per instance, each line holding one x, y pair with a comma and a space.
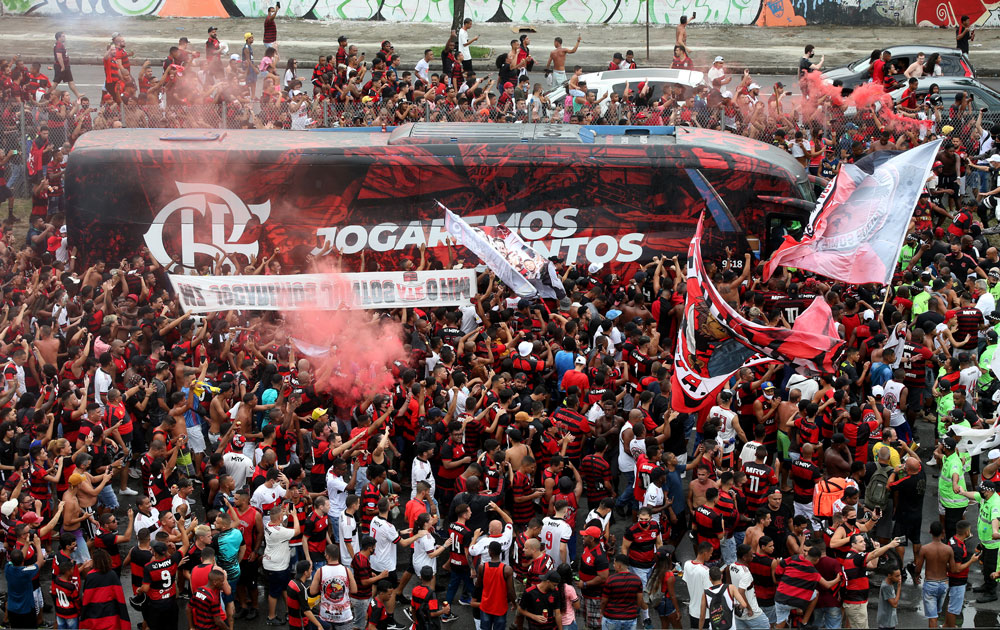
733, 12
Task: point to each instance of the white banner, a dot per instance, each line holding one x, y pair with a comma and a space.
326, 292
976, 441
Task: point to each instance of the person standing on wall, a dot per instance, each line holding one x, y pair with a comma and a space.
464, 42
271, 27
964, 34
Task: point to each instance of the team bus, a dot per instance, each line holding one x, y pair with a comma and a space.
614, 196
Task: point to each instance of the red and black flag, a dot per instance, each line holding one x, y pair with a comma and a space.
104, 605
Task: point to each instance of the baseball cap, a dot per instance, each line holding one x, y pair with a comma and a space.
552, 576
75, 479
318, 413
719, 59
950, 443
593, 531
767, 385
239, 441
8, 507
234, 57
613, 314
31, 518
133, 297
212, 28
523, 303
987, 486
994, 454
565, 303
508, 85
580, 361
524, 348
595, 267
727, 94
753, 86
53, 243
247, 35
995, 271
878, 390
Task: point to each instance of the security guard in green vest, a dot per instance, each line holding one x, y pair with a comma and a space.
988, 531
988, 384
951, 486
993, 279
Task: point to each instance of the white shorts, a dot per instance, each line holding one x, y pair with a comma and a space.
196, 440
558, 77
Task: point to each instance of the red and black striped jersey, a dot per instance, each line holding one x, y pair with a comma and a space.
708, 524
206, 606
804, 475
522, 486
518, 561
104, 602
760, 479
577, 425
596, 474
316, 528
107, 541
642, 544
65, 598
763, 580
856, 574
161, 575
138, 559
297, 604
362, 568
369, 506
538, 568
798, 579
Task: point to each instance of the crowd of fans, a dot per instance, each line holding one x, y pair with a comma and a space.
527, 463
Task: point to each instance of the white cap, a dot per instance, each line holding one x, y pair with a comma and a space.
993, 158
582, 361
8, 507
524, 348
595, 267
753, 86
868, 314
727, 94
994, 454
234, 57
877, 390
719, 59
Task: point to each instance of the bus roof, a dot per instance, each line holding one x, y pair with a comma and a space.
662, 143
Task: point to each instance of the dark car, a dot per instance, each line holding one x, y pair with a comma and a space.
983, 97
954, 63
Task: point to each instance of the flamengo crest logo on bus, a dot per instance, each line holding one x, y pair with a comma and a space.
195, 199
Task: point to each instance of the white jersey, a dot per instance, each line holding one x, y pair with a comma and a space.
348, 534
554, 532
482, 546
265, 498
335, 599
727, 432
239, 467
594, 515
626, 463
421, 471
969, 378
336, 491
422, 548
653, 497
742, 578
892, 390
386, 538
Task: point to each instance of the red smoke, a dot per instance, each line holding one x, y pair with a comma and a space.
351, 352
862, 97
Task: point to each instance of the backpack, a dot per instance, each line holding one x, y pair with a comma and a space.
826, 493
877, 494
720, 608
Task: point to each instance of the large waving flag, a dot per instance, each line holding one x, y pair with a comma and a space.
517, 265
714, 341
857, 229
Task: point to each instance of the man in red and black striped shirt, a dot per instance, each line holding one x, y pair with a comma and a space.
205, 610
798, 582
804, 476
856, 566
760, 480
108, 539
639, 546
524, 492
569, 418
370, 496
709, 524
296, 598
519, 559
621, 599
596, 472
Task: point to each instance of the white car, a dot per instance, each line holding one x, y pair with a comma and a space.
616, 80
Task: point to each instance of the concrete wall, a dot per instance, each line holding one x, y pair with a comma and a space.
732, 12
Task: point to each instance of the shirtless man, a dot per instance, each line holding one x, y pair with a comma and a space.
75, 518
756, 531
934, 558
517, 450
729, 288
681, 33
87, 492
557, 59
47, 347
697, 488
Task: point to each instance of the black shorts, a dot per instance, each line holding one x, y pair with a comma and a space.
908, 526
6, 193
63, 76
277, 582
248, 574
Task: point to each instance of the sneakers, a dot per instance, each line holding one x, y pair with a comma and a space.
395, 626
128, 492
647, 623
987, 597
134, 473
408, 612
448, 618
465, 601
251, 614
274, 621
931, 462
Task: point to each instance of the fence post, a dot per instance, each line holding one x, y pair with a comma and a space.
26, 189
225, 110
531, 114
326, 114
427, 111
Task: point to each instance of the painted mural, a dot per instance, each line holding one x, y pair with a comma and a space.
666, 12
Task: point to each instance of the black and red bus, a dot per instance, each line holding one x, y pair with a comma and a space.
608, 195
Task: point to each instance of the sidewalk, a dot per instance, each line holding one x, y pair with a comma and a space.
763, 50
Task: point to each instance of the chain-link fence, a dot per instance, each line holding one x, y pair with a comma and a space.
828, 131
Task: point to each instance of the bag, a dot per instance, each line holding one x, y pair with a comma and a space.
720, 609
826, 493
877, 494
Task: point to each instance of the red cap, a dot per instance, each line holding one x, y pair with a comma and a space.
31, 518
53, 243
508, 85
937, 164
593, 531
133, 297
